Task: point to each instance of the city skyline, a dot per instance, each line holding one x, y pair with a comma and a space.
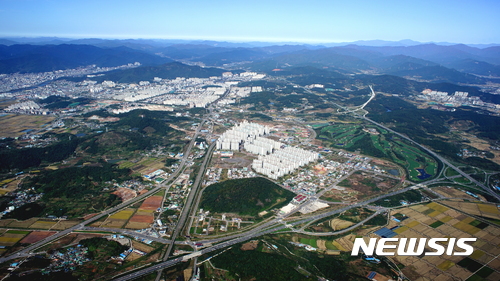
319, 21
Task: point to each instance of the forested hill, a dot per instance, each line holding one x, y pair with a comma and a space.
244, 196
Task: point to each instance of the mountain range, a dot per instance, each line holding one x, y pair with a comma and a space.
444, 62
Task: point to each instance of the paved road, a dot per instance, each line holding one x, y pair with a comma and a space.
26, 251
444, 161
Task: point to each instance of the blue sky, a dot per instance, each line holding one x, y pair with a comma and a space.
313, 21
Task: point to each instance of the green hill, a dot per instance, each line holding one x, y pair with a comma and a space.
244, 196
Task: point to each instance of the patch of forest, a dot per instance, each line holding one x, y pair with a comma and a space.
72, 191
422, 125
244, 196
261, 264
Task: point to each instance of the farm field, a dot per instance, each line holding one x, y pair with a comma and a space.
8, 185
36, 236
437, 220
37, 223
143, 166
118, 219
10, 238
16, 125
145, 216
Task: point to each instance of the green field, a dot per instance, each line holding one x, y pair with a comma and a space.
382, 145
311, 242
18, 232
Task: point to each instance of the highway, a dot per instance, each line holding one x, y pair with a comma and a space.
186, 210
268, 227
444, 161
27, 250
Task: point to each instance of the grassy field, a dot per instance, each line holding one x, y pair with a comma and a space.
309, 241
382, 145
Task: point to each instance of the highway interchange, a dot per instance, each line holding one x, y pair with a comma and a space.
278, 223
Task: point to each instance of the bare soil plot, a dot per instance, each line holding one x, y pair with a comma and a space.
23, 224
63, 224
142, 218
133, 256
252, 245
142, 247
152, 203
137, 225
321, 244
368, 184
338, 224
6, 222
36, 236
113, 223
125, 193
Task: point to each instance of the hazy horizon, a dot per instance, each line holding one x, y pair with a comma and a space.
317, 22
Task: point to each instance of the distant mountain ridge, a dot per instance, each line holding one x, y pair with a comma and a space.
224, 44
454, 63
35, 58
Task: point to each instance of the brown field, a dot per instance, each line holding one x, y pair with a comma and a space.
452, 192
155, 165
42, 224
23, 224
63, 224
152, 203
321, 244
6, 222
479, 209
482, 145
113, 223
142, 247
125, 193
96, 224
137, 225
72, 238
13, 125
142, 218
338, 224
345, 243
365, 183
252, 245
455, 224
133, 256
36, 236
